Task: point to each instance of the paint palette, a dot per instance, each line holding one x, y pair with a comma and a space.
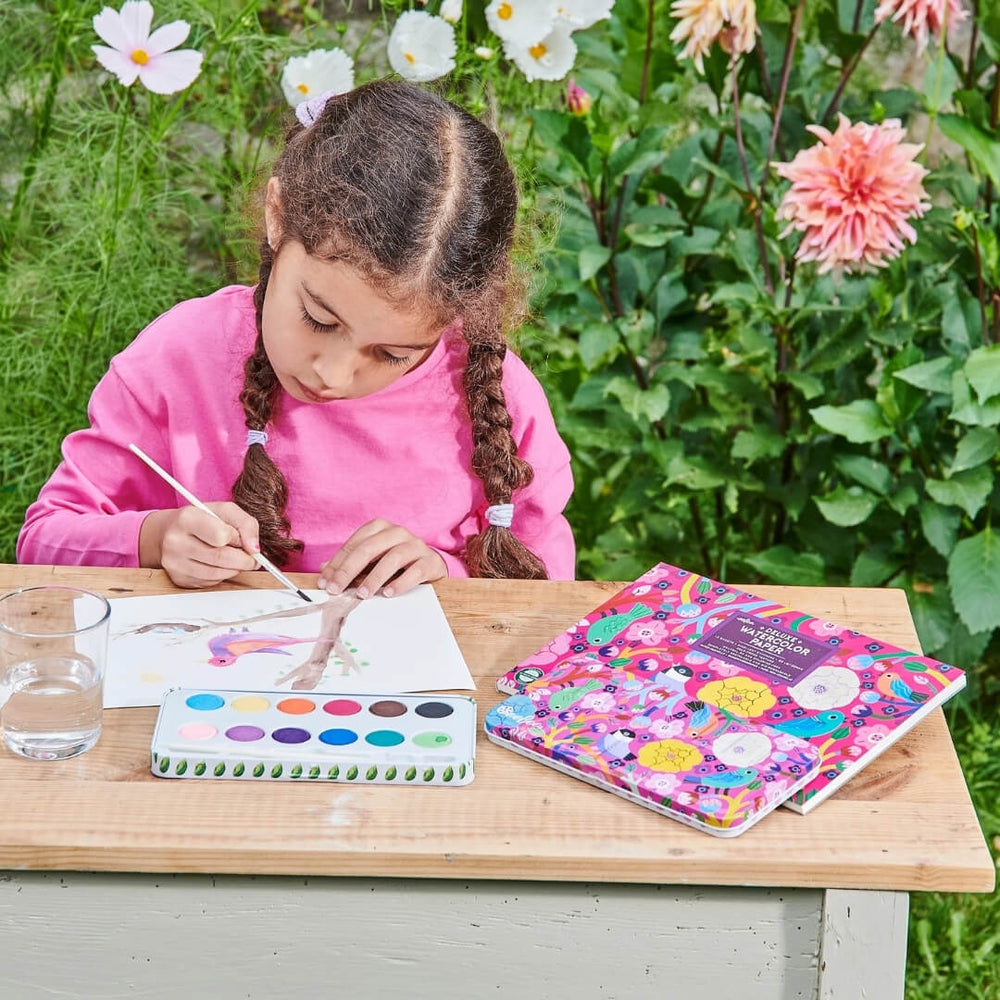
400, 739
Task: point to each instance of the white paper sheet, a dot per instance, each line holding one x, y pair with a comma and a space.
211, 640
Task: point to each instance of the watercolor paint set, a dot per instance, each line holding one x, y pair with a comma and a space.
399, 739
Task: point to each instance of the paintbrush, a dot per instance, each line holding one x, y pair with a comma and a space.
258, 557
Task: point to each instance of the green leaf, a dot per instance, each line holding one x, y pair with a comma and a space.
847, 507
984, 151
693, 472
965, 409
977, 447
940, 83
565, 133
846, 12
645, 235
873, 567
974, 581
866, 471
903, 499
962, 647
651, 403
782, 565
669, 294
982, 369
940, 526
808, 385
860, 421
933, 616
968, 490
760, 442
934, 376
595, 341
591, 259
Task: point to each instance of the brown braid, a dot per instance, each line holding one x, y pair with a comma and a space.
495, 551
260, 489
416, 195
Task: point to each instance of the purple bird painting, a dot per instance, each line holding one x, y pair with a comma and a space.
227, 649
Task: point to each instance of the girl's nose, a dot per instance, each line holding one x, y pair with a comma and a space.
335, 369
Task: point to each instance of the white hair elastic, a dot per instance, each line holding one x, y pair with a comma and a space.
256, 437
500, 515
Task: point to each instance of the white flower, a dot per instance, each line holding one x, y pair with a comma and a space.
826, 687
421, 46
550, 59
521, 22
583, 13
451, 11
135, 52
484, 52
322, 71
741, 749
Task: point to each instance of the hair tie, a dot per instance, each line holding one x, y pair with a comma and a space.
308, 111
256, 437
500, 515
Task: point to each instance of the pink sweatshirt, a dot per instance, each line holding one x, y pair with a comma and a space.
402, 453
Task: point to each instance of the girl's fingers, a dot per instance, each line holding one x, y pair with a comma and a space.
392, 562
414, 574
369, 543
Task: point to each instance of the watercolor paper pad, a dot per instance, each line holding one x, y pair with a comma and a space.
238, 639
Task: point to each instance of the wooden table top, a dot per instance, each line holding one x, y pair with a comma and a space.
905, 822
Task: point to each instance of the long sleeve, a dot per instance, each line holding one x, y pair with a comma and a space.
92, 507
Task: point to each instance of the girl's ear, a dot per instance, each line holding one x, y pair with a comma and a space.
272, 211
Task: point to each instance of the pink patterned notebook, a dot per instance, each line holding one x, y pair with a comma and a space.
707, 645
709, 769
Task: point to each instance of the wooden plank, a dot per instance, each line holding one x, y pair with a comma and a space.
119, 936
863, 945
905, 823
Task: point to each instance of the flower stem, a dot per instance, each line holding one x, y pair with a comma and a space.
786, 66
758, 225
849, 69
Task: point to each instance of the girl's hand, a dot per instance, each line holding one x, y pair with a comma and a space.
377, 553
195, 549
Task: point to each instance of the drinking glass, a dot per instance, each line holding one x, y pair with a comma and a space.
53, 652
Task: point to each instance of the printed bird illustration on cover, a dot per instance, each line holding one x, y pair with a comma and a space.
712, 651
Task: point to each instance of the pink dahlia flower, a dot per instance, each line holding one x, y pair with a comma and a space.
922, 16
852, 194
732, 23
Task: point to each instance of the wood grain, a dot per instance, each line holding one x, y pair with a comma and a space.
906, 822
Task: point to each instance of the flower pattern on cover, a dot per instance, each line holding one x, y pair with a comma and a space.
852, 694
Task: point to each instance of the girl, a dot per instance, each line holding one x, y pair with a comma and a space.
365, 376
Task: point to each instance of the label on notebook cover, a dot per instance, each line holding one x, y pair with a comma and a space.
849, 694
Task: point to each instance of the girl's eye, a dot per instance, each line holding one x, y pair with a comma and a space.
316, 325
394, 359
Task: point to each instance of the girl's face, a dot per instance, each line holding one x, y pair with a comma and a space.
329, 335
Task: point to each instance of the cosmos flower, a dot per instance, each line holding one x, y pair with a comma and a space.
549, 59
732, 23
134, 52
521, 23
421, 46
579, 14
852, 194
322, 71
451, 11
922, 16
